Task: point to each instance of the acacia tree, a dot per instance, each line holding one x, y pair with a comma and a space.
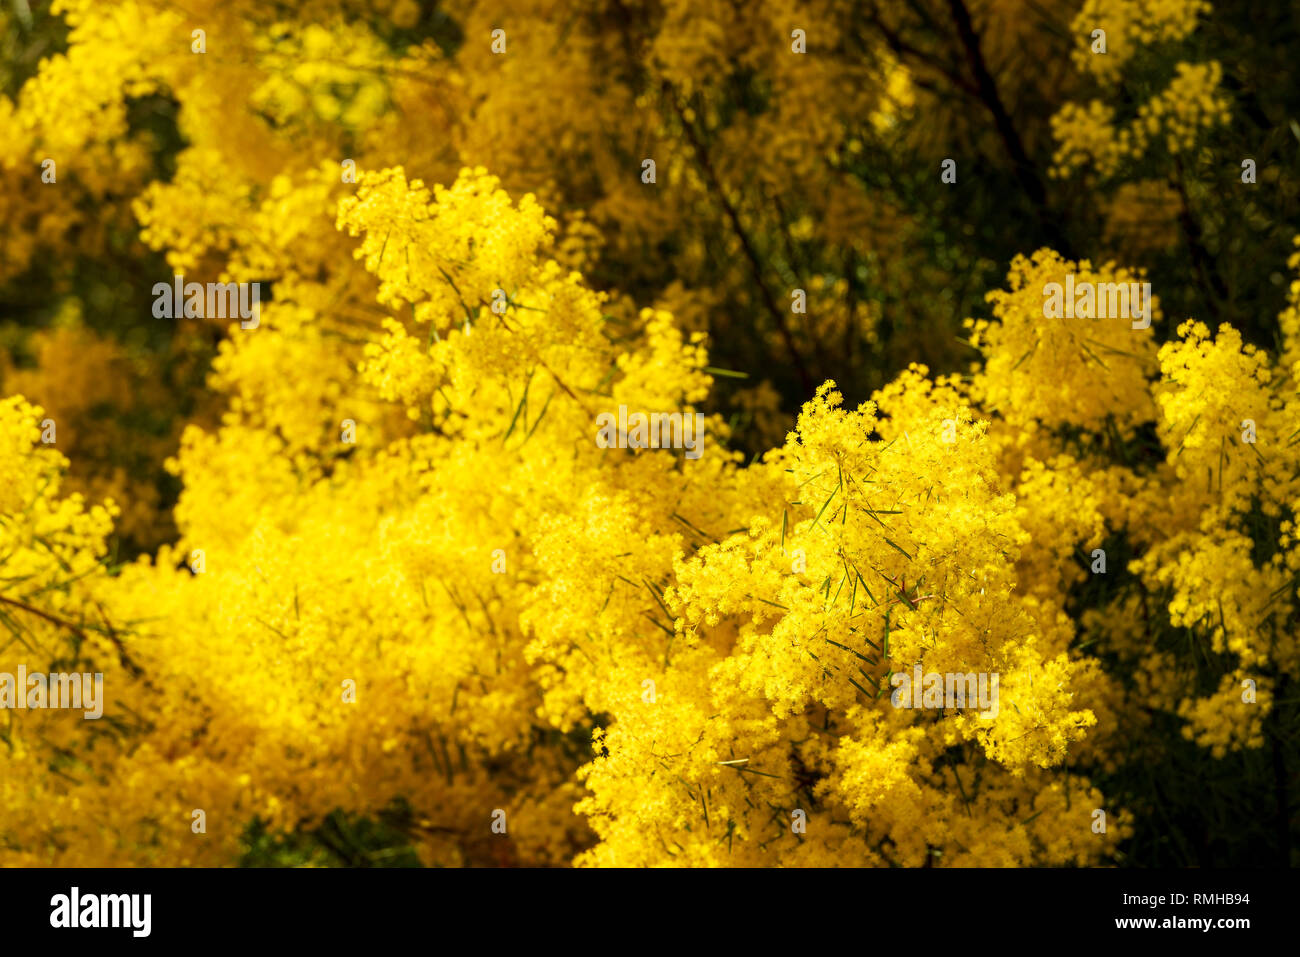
405, 583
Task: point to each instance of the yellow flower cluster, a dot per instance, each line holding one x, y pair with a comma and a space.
1176, 116
1128, 26
332, 73
1062, 371
1191, 104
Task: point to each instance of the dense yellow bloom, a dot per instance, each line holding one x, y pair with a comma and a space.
1130, 25
405, 572
1058, 370
1176, 116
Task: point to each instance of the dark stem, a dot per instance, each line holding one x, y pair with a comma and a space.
1213, 289
751, 256
988, 94
126, 660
